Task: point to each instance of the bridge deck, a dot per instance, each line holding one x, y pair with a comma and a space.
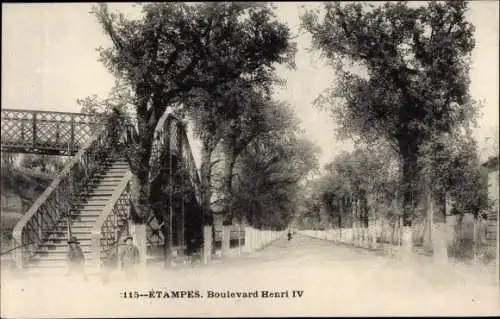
44, 132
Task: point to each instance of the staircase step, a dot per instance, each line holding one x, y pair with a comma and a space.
120, 162
77, 225
100, 192
103, 186
90, 209
94, 207
113, 172
110, 182
95, 198
82, 226
85, 218
104, 178
96, 201
93, 194
118, 168
108, 187
108, 175
86, 215
75, 231
62, 238
85, 222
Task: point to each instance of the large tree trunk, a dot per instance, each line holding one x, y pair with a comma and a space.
430, 219
138, 156
339, 212
206, 194
140, 195
354, 221
140, 209
364, 218
408, 153
229, 161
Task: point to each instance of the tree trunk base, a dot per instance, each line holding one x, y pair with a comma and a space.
207, 244
138, 232
406, 243
439, 243
226, 234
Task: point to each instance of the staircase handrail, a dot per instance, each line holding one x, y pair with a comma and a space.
115, 210
58, 199
73, 126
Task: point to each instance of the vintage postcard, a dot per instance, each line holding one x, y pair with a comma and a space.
249, 159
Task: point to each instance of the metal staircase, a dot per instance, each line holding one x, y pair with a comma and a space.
89, 199
83, 218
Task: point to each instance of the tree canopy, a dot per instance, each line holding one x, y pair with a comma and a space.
269, 173
176, 49
416, 63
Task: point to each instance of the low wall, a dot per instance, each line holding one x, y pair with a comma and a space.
374, 237
256, 239
449, 239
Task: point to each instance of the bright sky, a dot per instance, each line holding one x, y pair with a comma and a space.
49, 60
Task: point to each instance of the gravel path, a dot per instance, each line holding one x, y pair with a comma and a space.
335, 280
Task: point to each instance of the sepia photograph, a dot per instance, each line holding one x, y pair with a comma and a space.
250, 159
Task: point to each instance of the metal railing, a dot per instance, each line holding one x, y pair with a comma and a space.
45, 132
60, 198
111, 222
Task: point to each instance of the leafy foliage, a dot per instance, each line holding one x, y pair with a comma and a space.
120, 98
176, 49
357, 184
43, 163
416, 61
450, 164
269, 171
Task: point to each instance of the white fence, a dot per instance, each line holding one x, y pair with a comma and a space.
256, 239
462, 241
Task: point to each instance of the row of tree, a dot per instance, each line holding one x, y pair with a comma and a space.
409, 92
364, 185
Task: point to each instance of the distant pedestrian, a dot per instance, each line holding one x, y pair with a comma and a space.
129, 258
76, 258
289, 235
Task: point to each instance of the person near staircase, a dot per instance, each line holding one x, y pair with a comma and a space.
129, 258
76, 259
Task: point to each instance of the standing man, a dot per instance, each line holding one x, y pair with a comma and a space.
129, 258
76, 258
